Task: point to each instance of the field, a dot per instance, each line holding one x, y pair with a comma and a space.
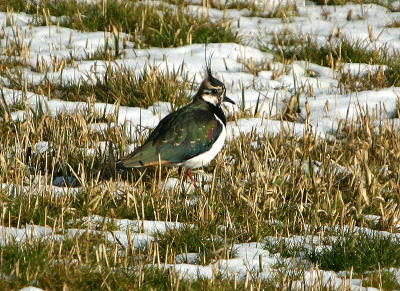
305, 194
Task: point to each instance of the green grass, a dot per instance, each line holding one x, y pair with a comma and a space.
72, 264
124, 87
360, 252
381, 78
330, 2
289, 9
6, 109
385, 280
34, 209
202, 240
387, 4
288, 47
255, 9
147, 26
141, 90
85, 262
370, 257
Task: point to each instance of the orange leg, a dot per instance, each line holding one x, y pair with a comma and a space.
189, 173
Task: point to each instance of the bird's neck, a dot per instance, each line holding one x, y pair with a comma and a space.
216, 109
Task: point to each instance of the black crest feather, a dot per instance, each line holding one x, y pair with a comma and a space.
208, 62
213, 81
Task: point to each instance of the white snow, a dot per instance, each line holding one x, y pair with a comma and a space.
31, 288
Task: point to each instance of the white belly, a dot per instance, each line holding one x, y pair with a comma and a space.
205, 158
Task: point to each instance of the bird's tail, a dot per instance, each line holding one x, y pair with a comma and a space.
120, 166
141, 157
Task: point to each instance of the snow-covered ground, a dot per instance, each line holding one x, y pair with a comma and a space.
327, 105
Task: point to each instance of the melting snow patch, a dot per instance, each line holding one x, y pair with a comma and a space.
145, 226
31, 288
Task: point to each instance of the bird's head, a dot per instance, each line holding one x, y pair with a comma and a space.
213, 90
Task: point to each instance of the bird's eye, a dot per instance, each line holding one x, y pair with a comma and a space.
214, 91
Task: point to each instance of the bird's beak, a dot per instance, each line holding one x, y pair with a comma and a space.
226, 99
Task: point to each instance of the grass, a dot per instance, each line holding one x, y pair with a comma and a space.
358, 252
87, 262
255, 9
258, 185
117, 84
68, 135
387, 4
70, 264
6, 109
394, 23
123, 87
331, 2
282, 10
370, 257
378, 79
146, 25
264, 183
385, 280
288, 47
201, 240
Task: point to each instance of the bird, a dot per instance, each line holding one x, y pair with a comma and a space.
190, 137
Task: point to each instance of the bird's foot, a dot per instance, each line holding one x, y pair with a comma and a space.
189, 173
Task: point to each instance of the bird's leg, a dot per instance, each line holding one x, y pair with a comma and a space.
189, 173
180, 173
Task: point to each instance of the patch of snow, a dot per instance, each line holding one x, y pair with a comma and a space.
145, 226
31, 288
188, 258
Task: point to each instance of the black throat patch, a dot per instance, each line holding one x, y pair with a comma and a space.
218, 112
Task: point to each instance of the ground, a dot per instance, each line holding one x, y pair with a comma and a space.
304, 195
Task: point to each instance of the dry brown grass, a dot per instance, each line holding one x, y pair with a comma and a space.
255, 180
258, 186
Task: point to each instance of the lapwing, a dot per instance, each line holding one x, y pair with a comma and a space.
190, 137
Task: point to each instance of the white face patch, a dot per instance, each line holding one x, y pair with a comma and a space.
210, 99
